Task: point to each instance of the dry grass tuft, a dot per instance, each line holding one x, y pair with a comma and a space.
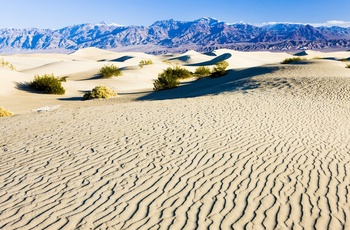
100, 92
293, 59
4, 112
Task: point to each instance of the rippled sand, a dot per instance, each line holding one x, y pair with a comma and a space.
266, 147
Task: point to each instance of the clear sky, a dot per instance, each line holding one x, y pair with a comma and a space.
56, 14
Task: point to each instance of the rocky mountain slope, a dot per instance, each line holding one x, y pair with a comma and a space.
204, 34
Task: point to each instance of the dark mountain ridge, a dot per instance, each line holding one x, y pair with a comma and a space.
204, 34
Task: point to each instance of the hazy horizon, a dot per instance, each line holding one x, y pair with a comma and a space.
55, 15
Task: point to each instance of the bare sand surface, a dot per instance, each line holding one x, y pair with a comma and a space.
265, 147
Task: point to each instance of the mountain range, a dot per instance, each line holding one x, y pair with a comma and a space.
204, 34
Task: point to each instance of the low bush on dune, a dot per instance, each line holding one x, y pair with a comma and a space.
145, 62
202, 71
293, 59
166, 81
4, 63
170, 78
100, 92
167, 62
109, 71
180, 73
347, 66
48, 83
219, 69
4, 112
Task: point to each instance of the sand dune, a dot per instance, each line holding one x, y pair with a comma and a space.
62, 68
265, 147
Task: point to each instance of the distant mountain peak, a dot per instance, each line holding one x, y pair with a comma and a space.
103, 23
210, 19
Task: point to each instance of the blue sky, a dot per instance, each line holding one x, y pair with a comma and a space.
59, 13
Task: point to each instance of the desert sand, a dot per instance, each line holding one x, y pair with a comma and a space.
264, 147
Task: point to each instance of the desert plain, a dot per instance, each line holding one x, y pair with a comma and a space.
266, 146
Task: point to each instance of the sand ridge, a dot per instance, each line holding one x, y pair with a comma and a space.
266, 147
82, 68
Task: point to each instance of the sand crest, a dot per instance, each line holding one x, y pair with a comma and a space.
265, 147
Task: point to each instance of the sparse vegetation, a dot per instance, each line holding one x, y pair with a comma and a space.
7, 64
48, 83
167, 62
170, 78
291, 60
165, 81
100, 92
202, 71
181, 73
347, 66
219, 69
145, 62
4, 112
109, 71
344, 60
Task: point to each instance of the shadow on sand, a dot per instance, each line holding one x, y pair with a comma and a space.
120, 59
222, 57
71, 99
232, 81
213, 61
94, 77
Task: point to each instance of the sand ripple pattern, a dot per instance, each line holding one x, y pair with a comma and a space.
267, 158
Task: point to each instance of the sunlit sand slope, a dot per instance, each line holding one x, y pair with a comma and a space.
263, 152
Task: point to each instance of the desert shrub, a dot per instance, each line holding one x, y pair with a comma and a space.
170, 78
4, 112
180, 73
145, 62
100, 92
166, 82
293, 59
219, 69
166, 62
108, 71
347, 66
202, 71
47, 83
7, 64
344, 60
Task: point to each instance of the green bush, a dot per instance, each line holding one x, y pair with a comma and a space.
181, 73
347, 66
100, 92
145, 62
293, 59
7, 64
169, 78
47, 83
219, 69
108, 71
4, 112
202, 71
